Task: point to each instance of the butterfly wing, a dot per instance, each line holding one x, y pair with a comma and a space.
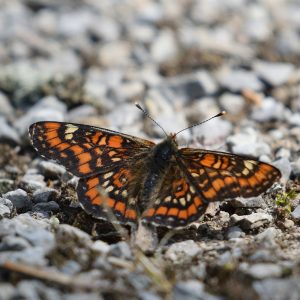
220, 175
85, 150
178, 202
113, 191
200, 177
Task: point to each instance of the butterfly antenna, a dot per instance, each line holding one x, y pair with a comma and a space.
147, 114
217, 115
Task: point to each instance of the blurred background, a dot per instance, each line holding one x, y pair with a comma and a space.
89, 61
183, 61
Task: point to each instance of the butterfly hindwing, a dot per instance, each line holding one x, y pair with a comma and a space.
178, 202
84, 150
222, 176
111, 191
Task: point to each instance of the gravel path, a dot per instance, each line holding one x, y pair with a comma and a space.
183, 60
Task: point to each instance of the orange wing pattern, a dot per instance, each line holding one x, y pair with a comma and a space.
177, 204
222, 176
114, 190
84, 150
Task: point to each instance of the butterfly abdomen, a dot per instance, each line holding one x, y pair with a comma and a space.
159, 162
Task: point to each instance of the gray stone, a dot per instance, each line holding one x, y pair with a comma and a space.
247, 142
115, 54
278, 289
252, 202
232, 104
50, 206
51, 169
284, 165
6, 185
181, 251
100, 247
267, 237
7, 133
283, 152
82, 296
274, 73
163, 112
251, 221
36, 290
235, 232
37, 237
48, 108
128, 92
145, 295
262, 255
6, 208
13, 243
269, 110
35, 256
121, 250
67, 232
164, 47
7, 291
82, 112
239, 80
192, 290
20, 199
262, 270
213, 132
294, 120
124, 115
4, 211
257, 25
288, 223
32, 182
6, 108
296, 213
189, 87
105, 28
70, 267
44, 195
142, 33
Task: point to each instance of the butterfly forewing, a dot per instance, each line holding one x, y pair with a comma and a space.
222, 176
84, 150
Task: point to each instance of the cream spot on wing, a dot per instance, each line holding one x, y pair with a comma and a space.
168, 199
114, 159
106, 183
248, 164
192, 189
124, 193
195, 174
245, 172
69, 136
71, 129
109, 189
188, 197
107, 175
182, 201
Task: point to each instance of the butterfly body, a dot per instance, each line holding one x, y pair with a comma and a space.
160, 184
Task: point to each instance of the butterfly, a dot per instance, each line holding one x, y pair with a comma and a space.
136, 179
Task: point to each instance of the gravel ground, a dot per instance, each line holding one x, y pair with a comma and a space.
183, 60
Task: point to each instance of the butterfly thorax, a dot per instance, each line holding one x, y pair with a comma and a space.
160, 160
